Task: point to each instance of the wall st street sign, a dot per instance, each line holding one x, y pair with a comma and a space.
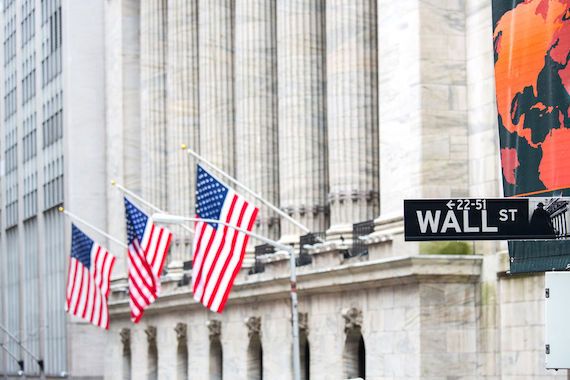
485, 219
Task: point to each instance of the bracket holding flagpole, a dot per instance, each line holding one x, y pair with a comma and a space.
176, 219
145, 202
39, 361
20, 362
250, 191
91, 226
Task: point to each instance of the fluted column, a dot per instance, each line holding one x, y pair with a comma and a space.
216, 82
352, 113
122, 103
303, 174
183, 116
256, 105
422, 110
153, 100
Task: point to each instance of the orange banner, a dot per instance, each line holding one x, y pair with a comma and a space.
532, 45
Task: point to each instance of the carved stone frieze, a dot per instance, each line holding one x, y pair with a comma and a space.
253, 326
126, 340
181, 332
304, 322
215, 328
352, 319
150, 332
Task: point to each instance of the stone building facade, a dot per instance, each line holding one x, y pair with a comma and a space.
335, 111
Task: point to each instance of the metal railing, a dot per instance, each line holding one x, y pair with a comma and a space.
260, 250
308, 239
358, 247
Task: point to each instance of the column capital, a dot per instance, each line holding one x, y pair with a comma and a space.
352, 319
214, 328
253, 326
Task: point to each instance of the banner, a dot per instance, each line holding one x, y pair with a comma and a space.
531, 41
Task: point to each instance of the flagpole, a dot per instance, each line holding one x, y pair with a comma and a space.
176, 219
101, 232
145, 202
250, 191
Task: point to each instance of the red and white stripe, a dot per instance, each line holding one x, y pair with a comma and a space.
218, 253
146, 262
88, 290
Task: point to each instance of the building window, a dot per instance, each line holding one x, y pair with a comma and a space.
216, 369
152, 369
126, 363
29, 79
52, 40
216, 356
53, 120
305, 356
10, 100
30, 196
28, 21
182, 352
10, 39
354, 355
11, 155
29, 140
53, 185
254, 349
254, 359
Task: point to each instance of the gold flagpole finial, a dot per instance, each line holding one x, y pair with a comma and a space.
113, 182
183, 146
60, 209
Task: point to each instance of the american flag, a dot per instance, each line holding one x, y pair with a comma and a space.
218, 250
88, 280
148, 247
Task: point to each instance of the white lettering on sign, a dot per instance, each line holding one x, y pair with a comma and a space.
466, 226
429, 219
504, 214
450, 222
485, 227
503, 217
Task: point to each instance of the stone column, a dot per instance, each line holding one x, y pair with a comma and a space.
422, 116
352, 113
139, 354
122, 97
216, 82
484, 172
153, 34
399, 102
422, 109
235, 341
183, 118
167, 344
303, 174
256, 107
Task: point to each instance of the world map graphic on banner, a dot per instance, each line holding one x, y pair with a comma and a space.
531, 40
531, 45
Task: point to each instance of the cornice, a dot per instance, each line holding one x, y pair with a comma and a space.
349, 276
